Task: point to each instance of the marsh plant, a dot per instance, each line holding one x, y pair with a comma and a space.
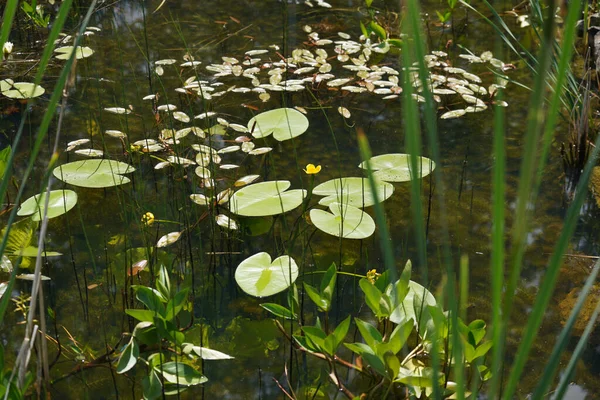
406, 342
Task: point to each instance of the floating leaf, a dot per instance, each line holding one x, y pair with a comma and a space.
353, 191
64, 53
60, 201
94, 173
168, 239
453, 114
260, 277
396, 167
266, 198
226, 222
20, 90
283, 123
117, 110
345, 221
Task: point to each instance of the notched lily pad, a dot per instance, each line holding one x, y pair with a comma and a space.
283, 123
60, 201
353, 191
20, 90
94, 173
65, 52
260, 277
266, 198
344, 221
396, 167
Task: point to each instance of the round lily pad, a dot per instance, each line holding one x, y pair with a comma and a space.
344, 221
396, 167
20, 90
353, 191
65, 52
266, 198
283, 123
60, 201
94, 173
260, 277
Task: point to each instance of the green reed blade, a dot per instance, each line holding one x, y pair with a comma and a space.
565, 334
384, 234
547, 286
577, 353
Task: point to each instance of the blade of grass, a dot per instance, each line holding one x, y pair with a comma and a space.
547, 286
9, 13
561, 343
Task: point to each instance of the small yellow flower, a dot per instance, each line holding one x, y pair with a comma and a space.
311, 169
372, 275
148, 219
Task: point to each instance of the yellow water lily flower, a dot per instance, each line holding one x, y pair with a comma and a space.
311, 169
148, 219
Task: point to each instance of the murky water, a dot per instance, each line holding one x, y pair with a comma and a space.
87, 288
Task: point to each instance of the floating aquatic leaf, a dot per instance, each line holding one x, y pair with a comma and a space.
247, 146
344, 112
90, 152
60, 201
396, 167
167, 61
453, 114
200, 199
354, 191
266, 198
20, 90
258, 276
260, 150
226, 222
238, 128
78, 142
64, 53
167, 107
115, 133
228, 166
229, 149
202, 172
162, 164
180, 160
344, 221
168, 239
31, 277
117, 110
246, 180
94, 173
283, 123
181, 116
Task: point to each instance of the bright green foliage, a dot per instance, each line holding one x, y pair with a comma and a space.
94, 173
283, 123
260, 277
60, 201
322, 297
344, 220
20, 90
353, 191
158, 325
266, 198
396, 167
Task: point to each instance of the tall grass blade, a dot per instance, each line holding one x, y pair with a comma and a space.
563, 339
547, 287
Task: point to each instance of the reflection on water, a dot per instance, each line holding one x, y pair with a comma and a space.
117, 75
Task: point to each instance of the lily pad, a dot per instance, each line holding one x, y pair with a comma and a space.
65, 52
94, 173
260, 277
283, 123
353, 191
266, 198
396, 167
344, 221
20, 90
60, 202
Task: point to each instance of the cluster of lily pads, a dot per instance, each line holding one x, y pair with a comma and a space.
28, 90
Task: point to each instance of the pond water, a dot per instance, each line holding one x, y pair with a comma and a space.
102, 236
